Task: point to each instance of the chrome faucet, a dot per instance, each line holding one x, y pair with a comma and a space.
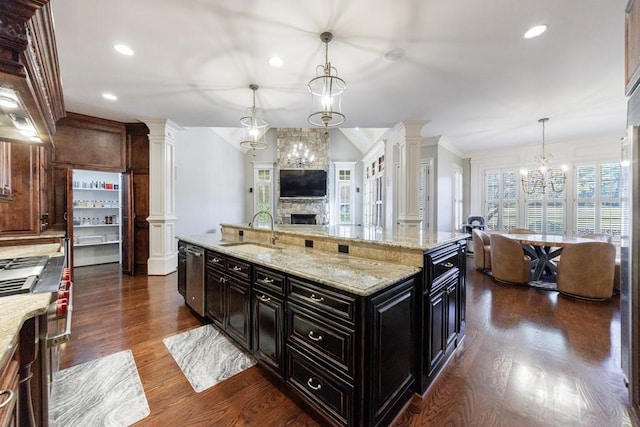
273, 235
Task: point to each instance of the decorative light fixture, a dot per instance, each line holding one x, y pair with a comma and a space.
538, 180
252, 126
299, 157
326, 92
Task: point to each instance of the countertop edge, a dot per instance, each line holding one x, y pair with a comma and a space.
14, 311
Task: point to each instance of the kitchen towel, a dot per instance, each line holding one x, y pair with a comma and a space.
206, 356
102, 392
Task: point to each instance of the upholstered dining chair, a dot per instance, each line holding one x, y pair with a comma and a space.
481, 249
586, 270
521, 231
509, 264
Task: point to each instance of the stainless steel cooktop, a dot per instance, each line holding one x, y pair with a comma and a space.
19, 275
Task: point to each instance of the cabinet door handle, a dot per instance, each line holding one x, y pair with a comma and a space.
236, 268
312, 387
265, 298
216, 260
221, 280
447, 264
313, 297
312, 337
10, 396
267, 280
194, 253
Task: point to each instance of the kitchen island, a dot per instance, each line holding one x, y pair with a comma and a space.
353, 324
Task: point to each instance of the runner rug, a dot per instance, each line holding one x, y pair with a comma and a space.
103, 392
206, 356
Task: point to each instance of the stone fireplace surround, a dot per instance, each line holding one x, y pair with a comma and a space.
318, 146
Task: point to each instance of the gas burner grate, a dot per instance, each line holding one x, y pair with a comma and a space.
16, 286
24, 262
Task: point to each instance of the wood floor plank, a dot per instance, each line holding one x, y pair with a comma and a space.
530, 358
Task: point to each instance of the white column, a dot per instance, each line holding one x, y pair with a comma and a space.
162, 205
409, 143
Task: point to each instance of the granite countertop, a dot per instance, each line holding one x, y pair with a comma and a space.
359, 276
396, 237
14, 310
49, 249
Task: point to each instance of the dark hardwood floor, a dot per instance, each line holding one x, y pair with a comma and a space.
530, 358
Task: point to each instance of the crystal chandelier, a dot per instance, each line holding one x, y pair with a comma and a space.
253, 126
299, 157
326, 92
537, 181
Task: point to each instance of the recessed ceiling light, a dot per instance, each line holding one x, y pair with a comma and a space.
123, 49
394, 55
109, 96
276, 61
535, 31
7, 102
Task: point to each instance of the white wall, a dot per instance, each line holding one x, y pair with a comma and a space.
209, 182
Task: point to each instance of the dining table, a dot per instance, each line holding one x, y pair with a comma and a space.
543, 249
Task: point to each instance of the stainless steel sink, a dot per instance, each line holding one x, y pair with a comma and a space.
250, 247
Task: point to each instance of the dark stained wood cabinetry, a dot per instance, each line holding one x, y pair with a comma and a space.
182, 268
356, 359
268, 319
443, 300
137, 154
228, 296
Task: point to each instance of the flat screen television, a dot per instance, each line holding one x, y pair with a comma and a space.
303, 183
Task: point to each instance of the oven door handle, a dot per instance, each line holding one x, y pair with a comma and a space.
63, 337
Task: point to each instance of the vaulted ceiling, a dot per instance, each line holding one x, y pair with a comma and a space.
467, 69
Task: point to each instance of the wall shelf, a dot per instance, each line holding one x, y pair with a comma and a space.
81, 245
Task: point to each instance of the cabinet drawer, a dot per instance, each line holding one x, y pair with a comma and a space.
443, 263
216, 260
329, 341
239, 268
269, 279
340, 305
330, 394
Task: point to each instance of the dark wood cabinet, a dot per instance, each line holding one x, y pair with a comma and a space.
182, 268
443, 309
215, 296
357, 359
391, 352
238, 309
228, 296
268, 319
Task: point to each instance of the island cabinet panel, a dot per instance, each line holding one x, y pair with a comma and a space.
390, 352
238, 309
228, 296
443, 310
215, 296
268, 319
182, 268
268, 329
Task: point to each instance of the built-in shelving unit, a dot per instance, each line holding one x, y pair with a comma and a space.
97, 232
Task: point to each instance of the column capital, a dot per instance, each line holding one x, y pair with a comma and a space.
162, 128
410, 128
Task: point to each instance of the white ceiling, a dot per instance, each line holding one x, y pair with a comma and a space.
467, 71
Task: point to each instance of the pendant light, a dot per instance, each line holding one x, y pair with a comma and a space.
326, 92
253, 126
